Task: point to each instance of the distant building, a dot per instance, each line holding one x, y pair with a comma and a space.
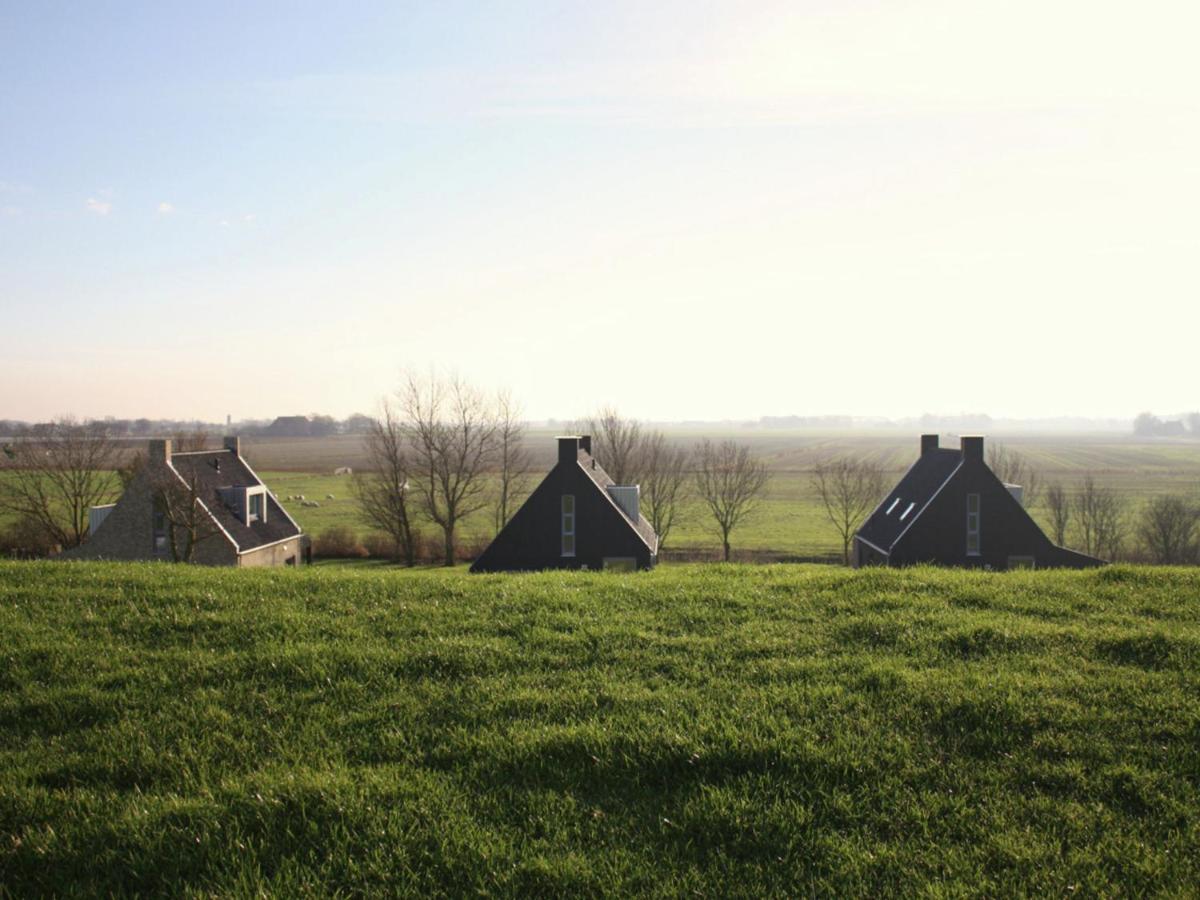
577, 518
243, 523
290, 426
950, 509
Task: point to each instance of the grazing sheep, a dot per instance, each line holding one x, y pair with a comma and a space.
329, 496
343, 470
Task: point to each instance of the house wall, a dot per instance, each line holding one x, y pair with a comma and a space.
276, 554
127, 533
532, 539
1006, 529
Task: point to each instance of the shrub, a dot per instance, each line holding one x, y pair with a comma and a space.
380, 545
26, 538
339, 542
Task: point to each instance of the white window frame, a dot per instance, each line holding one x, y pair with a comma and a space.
973, 525
568, 525
254, 491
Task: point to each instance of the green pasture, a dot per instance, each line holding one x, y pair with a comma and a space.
714, 731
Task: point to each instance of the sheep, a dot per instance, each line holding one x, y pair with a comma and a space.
329, 496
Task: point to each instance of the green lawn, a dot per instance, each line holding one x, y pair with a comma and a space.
698, 730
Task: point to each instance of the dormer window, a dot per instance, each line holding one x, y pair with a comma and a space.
255, 508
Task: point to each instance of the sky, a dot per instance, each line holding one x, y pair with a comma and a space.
687, 210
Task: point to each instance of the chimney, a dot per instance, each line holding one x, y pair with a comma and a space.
585, 444
568, 449
928, 442
972, 447
234, 443
159, 451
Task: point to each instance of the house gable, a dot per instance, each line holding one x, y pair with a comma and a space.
532, 539
924, 519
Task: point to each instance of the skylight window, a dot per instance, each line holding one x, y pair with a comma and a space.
888, 511
907, 510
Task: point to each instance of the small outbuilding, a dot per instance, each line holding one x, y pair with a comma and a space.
577, 518
950, 509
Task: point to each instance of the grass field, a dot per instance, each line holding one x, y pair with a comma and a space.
790, 523
698, 730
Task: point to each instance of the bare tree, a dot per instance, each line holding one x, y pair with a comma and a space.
383, 492
1058, 505
512, 458
54, 477
178, 499
618, 445
1100, 513
730, 482
452, 432
1012, 467
848, 489
663, 482
1167, 529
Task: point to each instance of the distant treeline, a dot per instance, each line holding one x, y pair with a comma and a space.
314, 425
1150, 425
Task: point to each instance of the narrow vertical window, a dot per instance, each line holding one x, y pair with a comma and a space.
972, 524
160, 530
568, 525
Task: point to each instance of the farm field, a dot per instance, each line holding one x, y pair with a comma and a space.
790, 523
708, 730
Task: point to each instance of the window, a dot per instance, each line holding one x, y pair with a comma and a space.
888, 512
973, 524
160, 531
256, 507
568, 525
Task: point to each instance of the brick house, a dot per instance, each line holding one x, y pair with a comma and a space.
240, 522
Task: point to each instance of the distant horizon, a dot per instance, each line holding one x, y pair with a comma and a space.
710, 212
814, 422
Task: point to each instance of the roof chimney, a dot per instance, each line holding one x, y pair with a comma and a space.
972, 447
159, 451
928, 442
234, 443
585, 443
568, 449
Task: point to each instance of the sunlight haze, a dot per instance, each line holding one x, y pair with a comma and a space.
687, 210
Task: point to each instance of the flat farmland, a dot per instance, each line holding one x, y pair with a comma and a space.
789, 523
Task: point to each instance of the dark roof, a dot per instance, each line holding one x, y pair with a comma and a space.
918, 486
216, 470
603, 480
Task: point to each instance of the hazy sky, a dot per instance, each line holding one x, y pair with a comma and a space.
686, 209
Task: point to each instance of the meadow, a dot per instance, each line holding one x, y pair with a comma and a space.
698, 730
790, 523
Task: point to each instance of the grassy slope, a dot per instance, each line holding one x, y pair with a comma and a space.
719, 730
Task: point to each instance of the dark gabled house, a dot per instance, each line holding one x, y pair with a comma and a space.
950, 509
239, 523
577, 518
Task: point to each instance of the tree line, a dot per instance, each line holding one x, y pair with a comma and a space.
441, 450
